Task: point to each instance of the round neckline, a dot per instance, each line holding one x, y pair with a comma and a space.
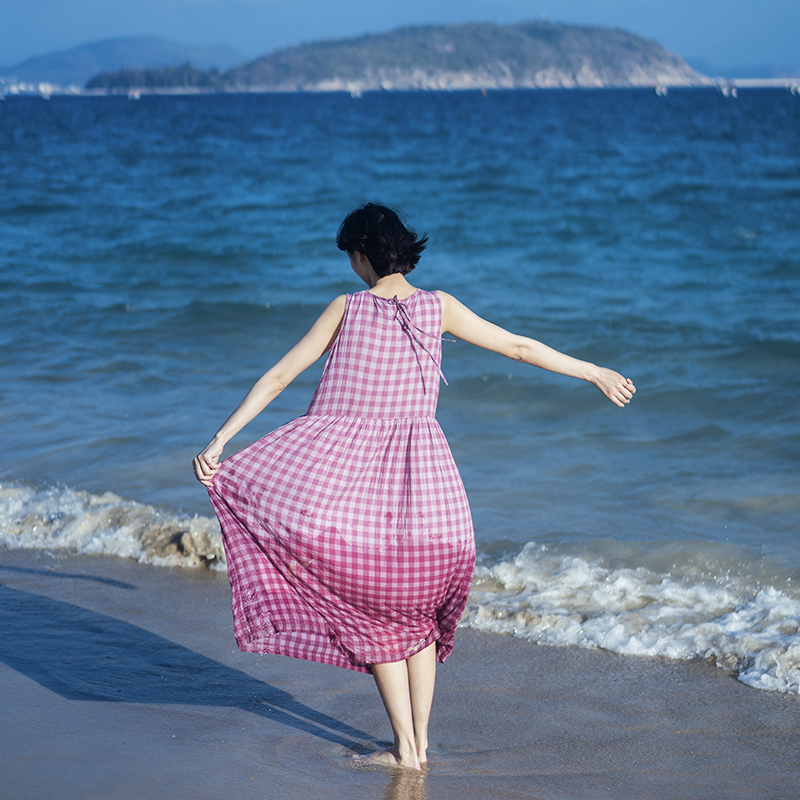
395, 297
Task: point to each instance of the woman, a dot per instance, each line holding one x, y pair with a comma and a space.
347, 531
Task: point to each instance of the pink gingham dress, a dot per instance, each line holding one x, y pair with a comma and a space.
347, 531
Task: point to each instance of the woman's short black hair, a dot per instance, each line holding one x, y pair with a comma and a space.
379, 233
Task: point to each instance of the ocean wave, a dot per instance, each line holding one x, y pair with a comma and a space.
105, 524
750, 629
717, 608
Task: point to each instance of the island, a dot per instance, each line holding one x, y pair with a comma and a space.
537, 54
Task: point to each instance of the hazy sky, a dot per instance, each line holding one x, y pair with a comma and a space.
721, 32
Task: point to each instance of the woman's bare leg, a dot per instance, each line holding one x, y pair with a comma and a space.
393, 685
406, 688
421, 682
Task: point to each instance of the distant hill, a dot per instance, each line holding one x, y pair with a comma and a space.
185, 76
480, 55
78, 64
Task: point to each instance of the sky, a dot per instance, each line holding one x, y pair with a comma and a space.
722, 33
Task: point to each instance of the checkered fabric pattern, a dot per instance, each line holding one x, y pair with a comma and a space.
347, 531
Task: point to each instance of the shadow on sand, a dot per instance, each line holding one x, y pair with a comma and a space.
83, 655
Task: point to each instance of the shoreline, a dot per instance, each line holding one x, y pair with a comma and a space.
721, 85
629, 597
121, 679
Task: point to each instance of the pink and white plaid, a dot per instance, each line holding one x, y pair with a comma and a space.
347, 531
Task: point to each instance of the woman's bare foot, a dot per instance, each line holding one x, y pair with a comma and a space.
393, 758
406, 688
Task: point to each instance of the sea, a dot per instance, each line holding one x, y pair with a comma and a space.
157, 255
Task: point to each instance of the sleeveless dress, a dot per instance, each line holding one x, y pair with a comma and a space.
347, 531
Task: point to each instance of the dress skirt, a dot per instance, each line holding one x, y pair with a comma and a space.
347, 531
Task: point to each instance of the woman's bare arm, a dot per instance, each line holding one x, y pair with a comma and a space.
317, 341
458, 320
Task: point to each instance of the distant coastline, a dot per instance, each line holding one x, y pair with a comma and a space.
47, 90
479, 56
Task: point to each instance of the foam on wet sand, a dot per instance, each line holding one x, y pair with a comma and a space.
121, 680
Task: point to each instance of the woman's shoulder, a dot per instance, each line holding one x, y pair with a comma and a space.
334, 311
445, 300
339, 303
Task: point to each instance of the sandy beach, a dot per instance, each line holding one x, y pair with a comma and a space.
122, 681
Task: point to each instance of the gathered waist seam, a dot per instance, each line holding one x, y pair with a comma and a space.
372, 419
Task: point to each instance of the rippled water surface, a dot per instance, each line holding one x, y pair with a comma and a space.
157, 255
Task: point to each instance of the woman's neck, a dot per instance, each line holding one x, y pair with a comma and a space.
392, 285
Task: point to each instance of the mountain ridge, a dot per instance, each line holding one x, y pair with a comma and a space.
535, 54
77, 65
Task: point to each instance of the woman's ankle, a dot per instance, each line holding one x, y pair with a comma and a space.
422, 751
405, 751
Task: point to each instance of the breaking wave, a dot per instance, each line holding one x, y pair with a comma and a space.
751, 629
728, 615
106, 524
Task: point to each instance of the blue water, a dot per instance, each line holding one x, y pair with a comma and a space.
156, 256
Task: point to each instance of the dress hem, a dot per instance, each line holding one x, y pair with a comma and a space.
320, 650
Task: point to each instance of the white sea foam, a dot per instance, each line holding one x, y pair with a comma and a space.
106, 524
566, 600
719, 613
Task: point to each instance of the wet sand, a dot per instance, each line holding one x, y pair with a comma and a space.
121, 681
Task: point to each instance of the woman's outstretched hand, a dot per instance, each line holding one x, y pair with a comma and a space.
617, 389
206, 463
